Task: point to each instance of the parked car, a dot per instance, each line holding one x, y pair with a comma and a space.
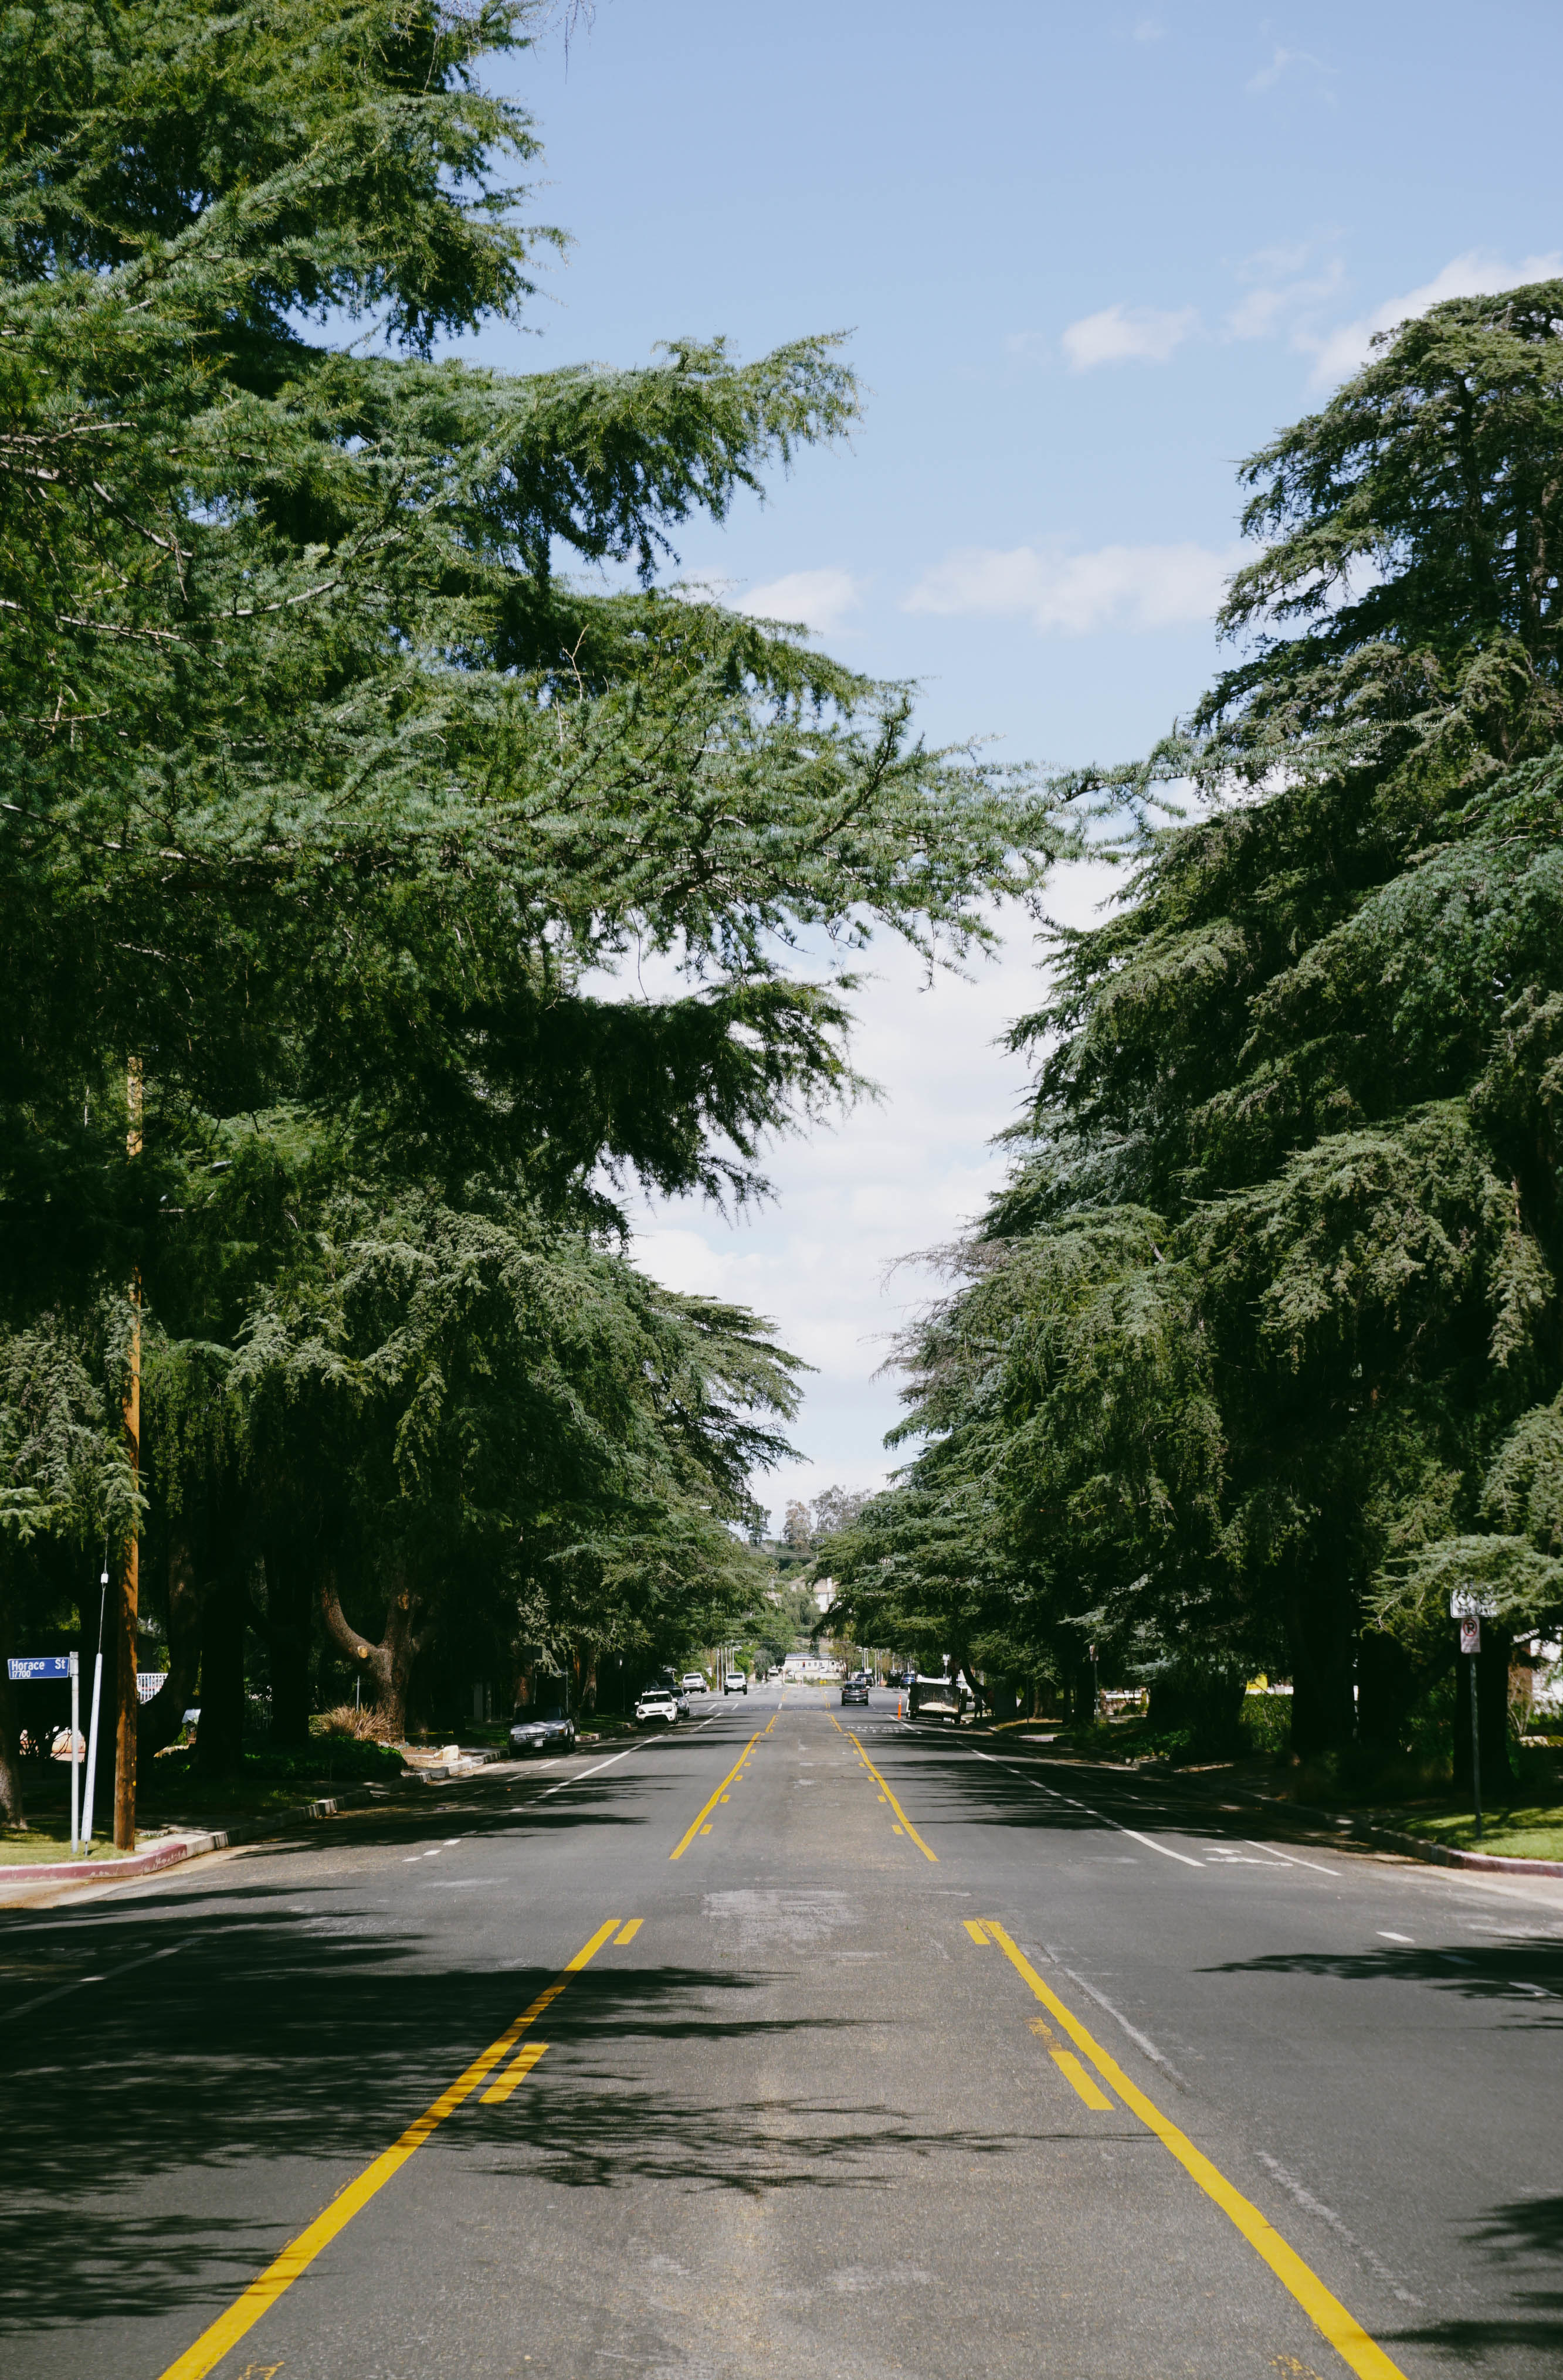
656, 1707
855, 1690
694, 1683
734, 1682
535, 1730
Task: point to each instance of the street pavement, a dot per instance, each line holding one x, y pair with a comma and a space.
798, 2043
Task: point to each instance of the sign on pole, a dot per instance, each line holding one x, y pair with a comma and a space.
39, 1665
1470, 1635
1473, 1603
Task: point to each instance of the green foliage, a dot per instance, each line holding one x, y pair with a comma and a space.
361, 751
1259, 1347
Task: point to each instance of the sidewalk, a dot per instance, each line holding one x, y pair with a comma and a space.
20, 1881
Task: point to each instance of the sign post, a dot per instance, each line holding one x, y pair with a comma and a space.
21, 1668
92, 1722
75, 1760
1470, 1606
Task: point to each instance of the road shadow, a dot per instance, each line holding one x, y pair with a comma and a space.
1525, 1976
1527, 2232
169, 2131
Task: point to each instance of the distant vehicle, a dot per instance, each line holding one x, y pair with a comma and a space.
681, 1698
534, 1731
734, 1682
855, 1690
934, 1698
694, 1683
656, 1707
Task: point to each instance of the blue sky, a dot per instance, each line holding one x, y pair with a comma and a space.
1090, 258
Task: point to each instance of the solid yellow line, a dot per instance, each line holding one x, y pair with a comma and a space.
1342, 2329
517, 2071
976, 1933
497, 2093
1070, 2065
298, 2254
694, 1827
629, 1930
900, 1814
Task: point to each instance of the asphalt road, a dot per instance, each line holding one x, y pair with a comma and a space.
899, 2058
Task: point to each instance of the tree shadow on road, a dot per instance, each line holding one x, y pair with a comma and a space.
1521, 1976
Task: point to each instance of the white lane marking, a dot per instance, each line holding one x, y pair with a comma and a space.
1306, 2199
111, 1976
1386, 1935
1151, 1845
1290, 1858
1140, 2040
583, 1774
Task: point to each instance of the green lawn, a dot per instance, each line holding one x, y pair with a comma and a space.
1526, 1831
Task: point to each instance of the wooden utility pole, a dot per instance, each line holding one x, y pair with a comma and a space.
130, 1574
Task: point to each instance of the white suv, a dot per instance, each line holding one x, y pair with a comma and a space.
734, 1682
694, 1683
656, 1707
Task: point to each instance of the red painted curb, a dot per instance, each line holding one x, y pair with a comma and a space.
79, 1871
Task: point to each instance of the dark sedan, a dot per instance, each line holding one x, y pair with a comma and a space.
855, 1690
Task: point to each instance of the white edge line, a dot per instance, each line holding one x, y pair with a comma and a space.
1290, 1857
111, 1976
583, 1774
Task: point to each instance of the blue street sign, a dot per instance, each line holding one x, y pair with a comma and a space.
41, 1665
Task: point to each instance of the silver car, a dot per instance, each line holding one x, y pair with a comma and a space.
540, 1730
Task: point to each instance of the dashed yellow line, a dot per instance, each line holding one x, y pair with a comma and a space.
1344, 2332
697, 1826
884, 1789
300, 2253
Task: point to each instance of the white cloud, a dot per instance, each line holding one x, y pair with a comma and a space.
1134, 586
1477, 273
896, 1176
1283, 294
820, 598
1127, 333
1281, 64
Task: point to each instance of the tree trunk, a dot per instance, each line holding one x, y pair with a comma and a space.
1387, 1687
387, 1665
160, 1721
1492, 1711
287, 1641
11, 1807
219, 1740
1320, 1631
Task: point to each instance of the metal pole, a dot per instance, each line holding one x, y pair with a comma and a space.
127, 1699
1475, 1751
92, 1723
75, 1756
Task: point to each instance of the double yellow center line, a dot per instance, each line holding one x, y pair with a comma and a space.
300, 2253
699, 1823
1344, 2332
905, 1825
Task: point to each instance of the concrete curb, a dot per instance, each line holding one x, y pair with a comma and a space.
1417, 1847
255, 1830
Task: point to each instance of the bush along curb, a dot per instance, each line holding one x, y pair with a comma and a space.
220, 1839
